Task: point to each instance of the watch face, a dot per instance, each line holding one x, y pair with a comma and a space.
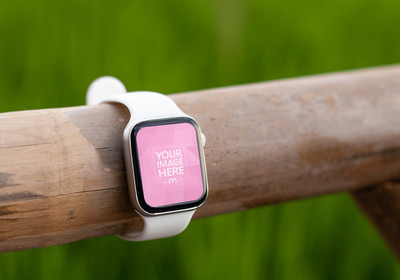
168, 165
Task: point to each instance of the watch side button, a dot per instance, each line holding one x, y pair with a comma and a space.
203, 140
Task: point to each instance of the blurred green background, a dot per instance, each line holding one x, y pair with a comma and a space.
51, 50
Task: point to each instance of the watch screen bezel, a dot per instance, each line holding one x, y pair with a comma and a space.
137, 173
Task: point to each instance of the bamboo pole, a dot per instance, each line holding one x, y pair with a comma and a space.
62, 176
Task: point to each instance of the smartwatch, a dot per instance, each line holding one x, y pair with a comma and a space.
164, 158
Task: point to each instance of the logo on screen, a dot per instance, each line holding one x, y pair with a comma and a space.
169, 164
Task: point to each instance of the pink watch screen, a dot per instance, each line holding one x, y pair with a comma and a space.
170, 165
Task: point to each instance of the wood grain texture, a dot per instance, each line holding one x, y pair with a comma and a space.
62, 176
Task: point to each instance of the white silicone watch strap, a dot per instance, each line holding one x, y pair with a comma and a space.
161, 226
143, 105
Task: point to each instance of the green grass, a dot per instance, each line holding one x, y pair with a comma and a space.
51, 50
